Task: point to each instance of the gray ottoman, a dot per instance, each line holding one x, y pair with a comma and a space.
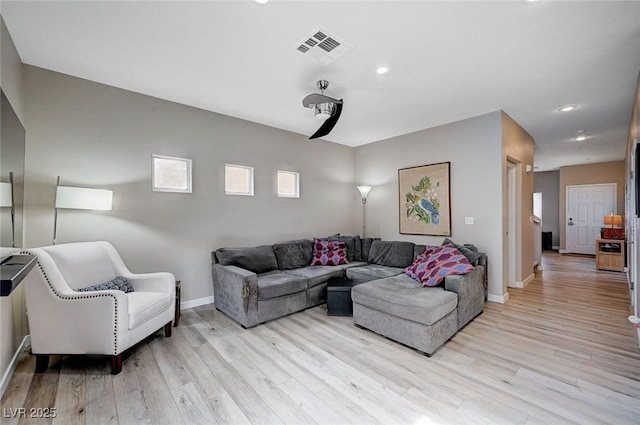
401, 309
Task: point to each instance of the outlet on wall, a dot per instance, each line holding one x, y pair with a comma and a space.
468, 220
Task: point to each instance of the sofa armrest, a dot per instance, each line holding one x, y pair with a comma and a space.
235, 292
470, 290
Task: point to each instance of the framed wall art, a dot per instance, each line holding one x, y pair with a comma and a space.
425, 200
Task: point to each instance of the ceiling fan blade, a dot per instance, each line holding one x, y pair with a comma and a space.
316, 99
330, 122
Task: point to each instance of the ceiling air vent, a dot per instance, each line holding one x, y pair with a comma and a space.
322, 48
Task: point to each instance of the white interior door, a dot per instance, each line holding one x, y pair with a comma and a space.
586, 207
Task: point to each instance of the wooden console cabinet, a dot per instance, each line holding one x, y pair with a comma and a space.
610, 254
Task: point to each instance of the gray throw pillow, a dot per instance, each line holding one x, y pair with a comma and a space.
472, 256
119, 283
357, 252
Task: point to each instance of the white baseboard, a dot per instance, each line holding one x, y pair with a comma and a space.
562, 251
26, 342
523, 283
556, 247
498, 298
196, 303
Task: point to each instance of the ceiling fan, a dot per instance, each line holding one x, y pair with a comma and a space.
326, 108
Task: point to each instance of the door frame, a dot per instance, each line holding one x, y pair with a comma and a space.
632, 233
513, 248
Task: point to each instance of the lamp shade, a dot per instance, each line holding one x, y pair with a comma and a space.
364, 190
83, 198
613, 220
5, 195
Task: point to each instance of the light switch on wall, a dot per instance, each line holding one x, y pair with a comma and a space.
468, 220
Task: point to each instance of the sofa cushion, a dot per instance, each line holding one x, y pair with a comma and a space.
146, 305
315, 275
119, 283
275, 284
329, 253
403, 297
370, 272
293, 254
391, 253
472, 256
436, 263
259, 259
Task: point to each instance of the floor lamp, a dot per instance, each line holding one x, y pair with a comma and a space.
6, 201
80, 198
364, 191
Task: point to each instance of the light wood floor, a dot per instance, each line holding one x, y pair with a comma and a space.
560, 351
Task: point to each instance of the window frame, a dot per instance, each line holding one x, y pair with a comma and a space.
250, 182
296, 176
188, 177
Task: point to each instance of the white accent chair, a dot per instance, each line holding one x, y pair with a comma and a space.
105, 322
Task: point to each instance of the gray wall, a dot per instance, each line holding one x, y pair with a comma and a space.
94, 135
474, 148
10, 70
548, 182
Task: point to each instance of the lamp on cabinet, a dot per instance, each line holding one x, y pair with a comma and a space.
615, 231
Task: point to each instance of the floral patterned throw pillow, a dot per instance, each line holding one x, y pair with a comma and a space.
329, 253
436, 262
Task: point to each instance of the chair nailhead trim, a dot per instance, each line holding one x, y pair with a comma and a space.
81, 297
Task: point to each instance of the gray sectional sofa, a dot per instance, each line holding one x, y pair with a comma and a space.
255, 284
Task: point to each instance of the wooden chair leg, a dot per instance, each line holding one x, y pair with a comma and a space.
167, 330
42, 362
116, 364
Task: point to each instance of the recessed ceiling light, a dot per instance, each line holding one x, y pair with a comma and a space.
567, 108
581, 131
262, 1
382, 70
580, 138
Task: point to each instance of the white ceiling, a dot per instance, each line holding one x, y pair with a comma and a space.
448, 61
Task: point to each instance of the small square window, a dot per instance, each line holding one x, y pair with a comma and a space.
171, 174
238, 180
288, 184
